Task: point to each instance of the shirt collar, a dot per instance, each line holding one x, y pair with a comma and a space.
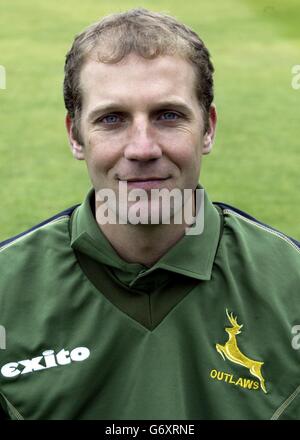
192, 255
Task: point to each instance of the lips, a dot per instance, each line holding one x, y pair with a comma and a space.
143, 179
147, 183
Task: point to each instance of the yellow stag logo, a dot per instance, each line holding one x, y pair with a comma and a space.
233, 353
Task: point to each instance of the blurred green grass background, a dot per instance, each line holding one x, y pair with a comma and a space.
255, 162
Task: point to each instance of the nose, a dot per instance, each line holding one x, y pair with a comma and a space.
142, 142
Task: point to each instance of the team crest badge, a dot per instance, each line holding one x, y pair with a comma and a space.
231, 351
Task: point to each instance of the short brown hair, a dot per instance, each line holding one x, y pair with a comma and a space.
146, 33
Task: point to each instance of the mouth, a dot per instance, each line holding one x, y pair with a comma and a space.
145, 183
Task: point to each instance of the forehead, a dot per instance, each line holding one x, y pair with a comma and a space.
136, 80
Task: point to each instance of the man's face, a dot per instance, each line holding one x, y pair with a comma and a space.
141, 123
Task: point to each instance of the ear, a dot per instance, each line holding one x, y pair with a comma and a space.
76, 148
211, 131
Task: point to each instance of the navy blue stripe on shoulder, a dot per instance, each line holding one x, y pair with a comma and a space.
246, 215
66, 212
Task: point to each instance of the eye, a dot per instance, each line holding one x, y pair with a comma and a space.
169, 116
110, 119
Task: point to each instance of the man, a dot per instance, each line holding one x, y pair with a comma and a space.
141, 319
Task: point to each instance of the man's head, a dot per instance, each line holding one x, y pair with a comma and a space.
138, 90
145, 33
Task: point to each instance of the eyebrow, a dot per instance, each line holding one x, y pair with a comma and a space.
114, 106
104, 108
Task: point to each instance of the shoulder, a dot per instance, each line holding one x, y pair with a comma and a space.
33, 261
256, 237
260, 267
38, 234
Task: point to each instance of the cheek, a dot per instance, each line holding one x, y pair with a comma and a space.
185, 151
102, 154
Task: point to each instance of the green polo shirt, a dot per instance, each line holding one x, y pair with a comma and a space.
207, 332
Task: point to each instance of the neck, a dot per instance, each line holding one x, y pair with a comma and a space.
143, 244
